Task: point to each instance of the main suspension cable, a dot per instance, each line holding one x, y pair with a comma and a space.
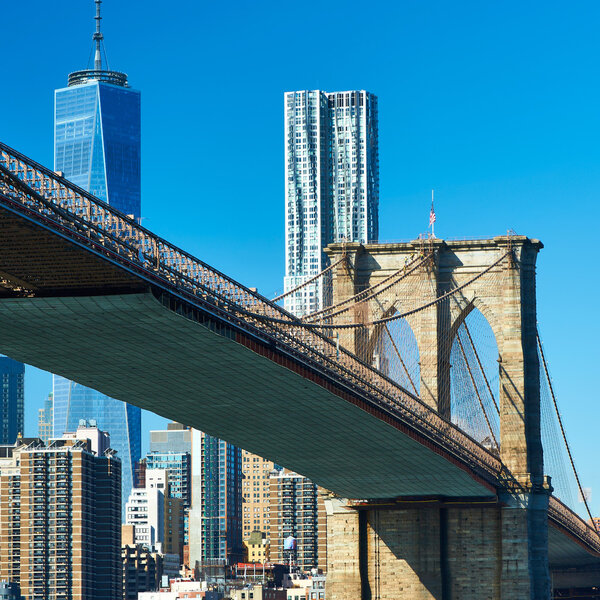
309, 281
369, 293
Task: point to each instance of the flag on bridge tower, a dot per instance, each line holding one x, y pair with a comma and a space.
432, 216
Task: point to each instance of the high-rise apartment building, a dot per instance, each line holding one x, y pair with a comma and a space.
97, 146
331, 183
60, 519
12, 395
297, 511
215, 518
256, 486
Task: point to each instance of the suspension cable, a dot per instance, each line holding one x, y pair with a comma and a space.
487, 383
308, 281
369, 293
401, 360
464, 354
409, 312
564, 435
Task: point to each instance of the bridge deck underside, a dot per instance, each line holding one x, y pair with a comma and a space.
564, 551
133, 348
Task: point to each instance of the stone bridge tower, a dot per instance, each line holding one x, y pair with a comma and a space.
508, 301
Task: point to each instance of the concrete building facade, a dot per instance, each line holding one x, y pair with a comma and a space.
146, 509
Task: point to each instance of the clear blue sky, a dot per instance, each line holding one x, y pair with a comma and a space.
495, 105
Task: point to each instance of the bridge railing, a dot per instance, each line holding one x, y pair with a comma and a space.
564, 516
48, 196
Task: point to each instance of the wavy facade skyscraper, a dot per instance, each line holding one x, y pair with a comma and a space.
331, 183
97, 146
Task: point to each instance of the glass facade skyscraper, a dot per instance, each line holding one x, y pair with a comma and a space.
332, 183
97, 140
215, 530
12, 397
97, 146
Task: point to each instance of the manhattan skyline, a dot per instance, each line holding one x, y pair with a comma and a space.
506, 141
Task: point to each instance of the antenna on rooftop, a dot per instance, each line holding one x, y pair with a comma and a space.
98, 38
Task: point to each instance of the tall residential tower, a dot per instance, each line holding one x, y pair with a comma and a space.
332, 183
97, 146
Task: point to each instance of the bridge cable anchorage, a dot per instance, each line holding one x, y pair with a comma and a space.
309, 281
564, 435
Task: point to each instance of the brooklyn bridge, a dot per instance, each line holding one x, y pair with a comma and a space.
422, 390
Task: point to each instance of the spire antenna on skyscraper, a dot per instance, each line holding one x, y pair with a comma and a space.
101, 69
98, 38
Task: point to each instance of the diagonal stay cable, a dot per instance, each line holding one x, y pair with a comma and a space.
387, 330
308, 281
487, 420
487, 383
562, 430
370, 292
472, 344
385, 319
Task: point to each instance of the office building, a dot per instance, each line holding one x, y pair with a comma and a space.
215, 529
12, 374
45, 429
331, 184
298, 512
97, 132
60, 517
170, 450
97, 147
256, 485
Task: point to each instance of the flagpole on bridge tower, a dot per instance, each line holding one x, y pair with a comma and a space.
432, 217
